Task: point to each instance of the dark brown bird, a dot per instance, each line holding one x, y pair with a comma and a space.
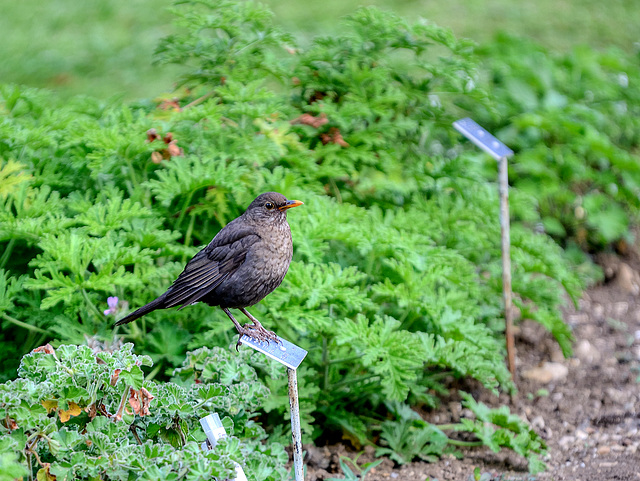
243, 263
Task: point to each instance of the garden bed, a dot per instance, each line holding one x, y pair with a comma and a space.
590, 418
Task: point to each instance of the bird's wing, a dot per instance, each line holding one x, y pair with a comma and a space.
211, 266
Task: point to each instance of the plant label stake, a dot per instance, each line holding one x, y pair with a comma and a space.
291, 356
213, 428
496, 149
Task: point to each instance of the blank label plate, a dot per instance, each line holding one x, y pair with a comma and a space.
285, 352
482, 138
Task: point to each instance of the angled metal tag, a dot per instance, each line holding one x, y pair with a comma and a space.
284, 351
482, 138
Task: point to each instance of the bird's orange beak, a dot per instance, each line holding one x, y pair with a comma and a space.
290, 204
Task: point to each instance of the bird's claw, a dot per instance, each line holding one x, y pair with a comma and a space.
258, 333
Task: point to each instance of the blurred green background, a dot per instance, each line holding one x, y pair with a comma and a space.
105, 47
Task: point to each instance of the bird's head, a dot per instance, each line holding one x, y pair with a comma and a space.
270, 207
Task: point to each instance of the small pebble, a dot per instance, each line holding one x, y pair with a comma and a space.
620, 309
538, 422
565, 441
598, 311
580, 434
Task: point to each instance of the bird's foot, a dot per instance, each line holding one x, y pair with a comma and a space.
258, 333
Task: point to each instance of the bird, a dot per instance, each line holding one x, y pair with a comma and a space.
246, 260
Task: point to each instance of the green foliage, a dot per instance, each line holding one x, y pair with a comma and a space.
361, 471
77, 414
102, 48
396, 279
408, 436
573, 121
224, 39
498, 428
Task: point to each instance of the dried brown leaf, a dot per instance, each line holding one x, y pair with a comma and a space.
114, 376
170, 105
333, 137
47, 349
308, 119
146, 401
152, 134
91, 410
174, 150
10, 424
337, 139
140, 401
156, 157
134, 402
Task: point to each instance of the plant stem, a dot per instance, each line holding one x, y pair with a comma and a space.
438, 375
29, 468
132, 175
118, 415
154, 372
198, 100
24, 325
405, 323
457, 442
7, 252
334, 186
325, 363
448, 427
183, 211
134, 430
345, 359
353, 381
35, 453
90, 304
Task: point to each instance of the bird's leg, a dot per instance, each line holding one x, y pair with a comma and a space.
257, 326
246, 330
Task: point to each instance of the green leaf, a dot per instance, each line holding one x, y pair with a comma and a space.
133, 377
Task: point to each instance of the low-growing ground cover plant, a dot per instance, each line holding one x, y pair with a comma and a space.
395, 287
74, 413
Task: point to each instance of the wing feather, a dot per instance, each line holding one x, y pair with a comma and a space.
211, 266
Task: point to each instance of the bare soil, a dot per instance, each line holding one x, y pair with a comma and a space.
589, 418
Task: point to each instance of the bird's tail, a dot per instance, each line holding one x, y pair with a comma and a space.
152, 306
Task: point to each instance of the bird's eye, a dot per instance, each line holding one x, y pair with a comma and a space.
269, 205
